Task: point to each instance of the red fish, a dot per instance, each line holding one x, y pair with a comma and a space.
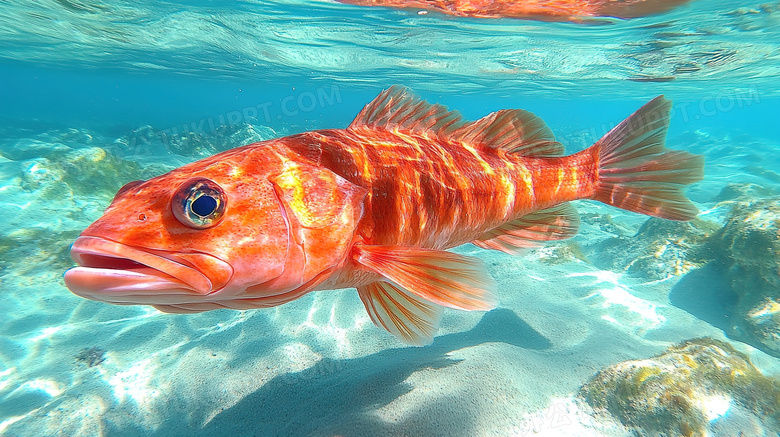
372, 207
544, 10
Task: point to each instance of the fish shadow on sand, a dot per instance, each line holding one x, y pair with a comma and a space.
339, 397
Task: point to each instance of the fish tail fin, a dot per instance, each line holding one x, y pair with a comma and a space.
636, 8
636, 172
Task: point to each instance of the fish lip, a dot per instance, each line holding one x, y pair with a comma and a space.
118, 273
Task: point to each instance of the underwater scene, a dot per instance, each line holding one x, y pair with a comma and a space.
453, 218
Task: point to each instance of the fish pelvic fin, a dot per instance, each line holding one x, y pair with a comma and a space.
532, 230
408, 317
438, 276
638, 173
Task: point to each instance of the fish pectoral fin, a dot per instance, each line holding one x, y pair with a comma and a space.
531, 230
438, 276
403, 314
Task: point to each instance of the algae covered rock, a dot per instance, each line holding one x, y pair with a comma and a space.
192, 141
50, 144
743, 192
561, 253
605, 223
696, 388
224, 137
82, 171
748, 246
25, 250
659, 250
56, 185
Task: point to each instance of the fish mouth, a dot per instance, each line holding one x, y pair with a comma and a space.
113, 272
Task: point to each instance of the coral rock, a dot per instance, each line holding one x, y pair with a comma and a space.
659, 250
743, 192
748, 246
696, 388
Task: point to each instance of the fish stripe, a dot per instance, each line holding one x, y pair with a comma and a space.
430, 192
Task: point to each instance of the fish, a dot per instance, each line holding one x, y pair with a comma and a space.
540, 10
373, 207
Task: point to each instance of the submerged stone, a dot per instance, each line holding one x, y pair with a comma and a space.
91, 356
25, 250
696, 388
56, 188
748, 246
50, 144
659, 250
605, 223
743, 192
565, 252
83, 171
190, 141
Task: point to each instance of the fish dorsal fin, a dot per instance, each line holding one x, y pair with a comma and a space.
514, 130
438, 276
397, 108
411, 319
529, 231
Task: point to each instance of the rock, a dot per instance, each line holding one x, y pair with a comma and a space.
694, 388
29, 148
82, 171
748, 246
50, 144
743, 192
762, 172
27, 250
659, 250
561, 253
605, 223
191, 143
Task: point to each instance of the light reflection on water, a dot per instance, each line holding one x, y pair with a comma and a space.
730, 41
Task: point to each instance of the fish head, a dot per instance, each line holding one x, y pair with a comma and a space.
252, 231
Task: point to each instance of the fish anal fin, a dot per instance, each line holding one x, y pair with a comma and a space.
513, 130
397, 108
438, 276
531, 230
403, 314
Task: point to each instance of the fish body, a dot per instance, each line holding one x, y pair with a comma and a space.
372, 207
545, 10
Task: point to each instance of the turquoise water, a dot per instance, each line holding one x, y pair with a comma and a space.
94, 94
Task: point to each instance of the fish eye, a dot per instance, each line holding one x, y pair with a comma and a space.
199, 203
